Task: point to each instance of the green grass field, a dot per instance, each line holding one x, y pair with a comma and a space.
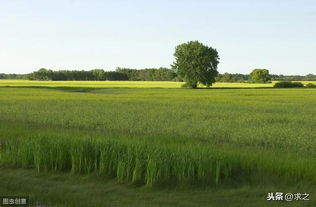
166, 146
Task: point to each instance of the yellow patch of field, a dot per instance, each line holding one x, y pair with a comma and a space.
242, 85
92, 84
127, 84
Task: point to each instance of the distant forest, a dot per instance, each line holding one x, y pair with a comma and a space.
148, 74
237, 77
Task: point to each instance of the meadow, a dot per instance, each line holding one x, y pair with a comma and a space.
158, 135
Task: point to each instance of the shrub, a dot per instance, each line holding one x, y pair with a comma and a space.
288, 84
310, 85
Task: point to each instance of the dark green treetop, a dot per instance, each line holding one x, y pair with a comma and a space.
260, 76
196, 63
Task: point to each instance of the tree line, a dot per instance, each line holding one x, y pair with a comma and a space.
237, 77
68, 75
160, 74
13, 76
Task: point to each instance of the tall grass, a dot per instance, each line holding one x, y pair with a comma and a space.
144, 163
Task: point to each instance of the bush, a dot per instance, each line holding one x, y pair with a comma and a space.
310, 85
288, 84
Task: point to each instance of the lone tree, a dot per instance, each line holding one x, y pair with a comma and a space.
260, 76
196, 63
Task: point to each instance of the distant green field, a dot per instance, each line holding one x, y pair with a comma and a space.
158, 134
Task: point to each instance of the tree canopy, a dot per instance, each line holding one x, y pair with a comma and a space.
260, 76
196, 63
160, 74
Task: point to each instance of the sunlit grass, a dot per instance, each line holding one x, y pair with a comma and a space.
161, 136
128, 84
93, 84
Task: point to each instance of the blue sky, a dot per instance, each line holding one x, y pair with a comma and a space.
80, 34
